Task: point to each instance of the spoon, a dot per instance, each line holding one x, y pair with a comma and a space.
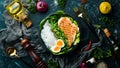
12, 52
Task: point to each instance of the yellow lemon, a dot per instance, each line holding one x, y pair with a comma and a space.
105, 7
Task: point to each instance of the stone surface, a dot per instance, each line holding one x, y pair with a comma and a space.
11, 31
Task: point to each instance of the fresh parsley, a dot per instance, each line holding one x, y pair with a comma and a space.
100, 54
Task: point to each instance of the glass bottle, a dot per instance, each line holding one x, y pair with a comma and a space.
17, 10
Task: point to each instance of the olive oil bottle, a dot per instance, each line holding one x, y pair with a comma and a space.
17, 10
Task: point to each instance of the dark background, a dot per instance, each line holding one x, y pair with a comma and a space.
92, 9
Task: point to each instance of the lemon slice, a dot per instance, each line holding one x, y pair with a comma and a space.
105, 7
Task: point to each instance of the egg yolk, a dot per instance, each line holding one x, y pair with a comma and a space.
56, 49
59, 43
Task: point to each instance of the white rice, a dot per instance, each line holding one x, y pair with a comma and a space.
47, 35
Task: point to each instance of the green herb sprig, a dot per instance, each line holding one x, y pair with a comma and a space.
100, 54
107, 21
52, 64
29, 1
32, 8
61, 3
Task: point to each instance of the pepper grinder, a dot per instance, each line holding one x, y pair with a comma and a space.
39, 63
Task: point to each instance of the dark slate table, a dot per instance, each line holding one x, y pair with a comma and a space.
92, 9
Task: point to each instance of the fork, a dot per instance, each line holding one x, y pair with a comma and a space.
83, 15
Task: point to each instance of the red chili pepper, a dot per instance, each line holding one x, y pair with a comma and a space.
88, 46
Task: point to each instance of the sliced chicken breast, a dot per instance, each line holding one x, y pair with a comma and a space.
70, 29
